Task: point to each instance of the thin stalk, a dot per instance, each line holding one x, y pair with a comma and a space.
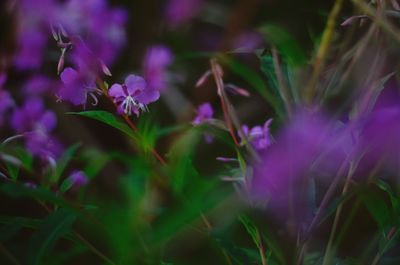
329, 249
261, 250
385, 25
93, 249
220, 87
9, 255
283, 87
230, 117
394, 233
323, 50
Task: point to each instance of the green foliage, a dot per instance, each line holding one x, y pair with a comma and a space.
107, 118
56, 224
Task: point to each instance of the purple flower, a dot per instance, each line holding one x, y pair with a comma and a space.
32, 35
204, 112
43, 145
180, 11
32, 116
77, 86
156, 61
6, 103
78, 179
310, 145
100, 26
36, 123
38, 84
31, 46
258, 136
133, 95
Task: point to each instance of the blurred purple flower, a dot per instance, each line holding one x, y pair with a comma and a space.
32, 116
78, 179
258, 136
180, 11
6, 103
100, 26
30, 50
309, 143
380, 137
77, 86
32, 34
36, 123
156, 61
43, 145
204, 112
39, 84
133, 95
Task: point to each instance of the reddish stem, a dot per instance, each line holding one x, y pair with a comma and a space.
220, 87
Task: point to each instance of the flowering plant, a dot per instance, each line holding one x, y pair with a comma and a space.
228, 137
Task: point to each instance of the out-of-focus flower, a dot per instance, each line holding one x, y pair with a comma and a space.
380, 137
156, 62
38, 84
180, 11
77, 86
310, 143
34, 18
204, 113
101, 26
42, 144
36, 123
6, 103
78, 179
32, 116
133, 95
258, 136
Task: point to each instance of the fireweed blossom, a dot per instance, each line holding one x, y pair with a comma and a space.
77, 86
133, 96
205, 114
309, 146
156, 62
258, 136
37, 123
6, 103
101, 26
78, 179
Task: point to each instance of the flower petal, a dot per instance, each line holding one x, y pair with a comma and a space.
135, 83
148, 96
116, 91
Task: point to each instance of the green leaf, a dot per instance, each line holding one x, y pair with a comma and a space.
287, 45
17, 190
255, 81
56, 225
377, 207
95, 161
107, 118
251, 229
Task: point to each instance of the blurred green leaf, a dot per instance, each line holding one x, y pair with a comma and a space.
54, 226
17, 190
377, 207
95, 161
255, 81
287, 45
